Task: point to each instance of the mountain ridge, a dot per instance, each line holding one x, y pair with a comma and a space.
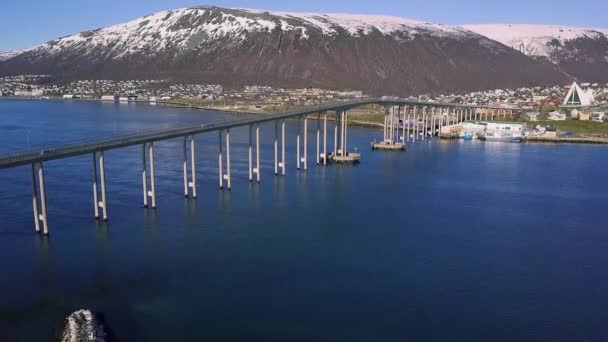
378, 54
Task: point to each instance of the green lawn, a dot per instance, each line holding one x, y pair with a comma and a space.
576, 127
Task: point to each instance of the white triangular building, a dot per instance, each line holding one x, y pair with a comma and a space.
578, 97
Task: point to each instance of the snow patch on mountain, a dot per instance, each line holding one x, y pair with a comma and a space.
5, 55
535, 40
358, 25
190, 28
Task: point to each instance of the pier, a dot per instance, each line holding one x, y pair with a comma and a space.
405, 121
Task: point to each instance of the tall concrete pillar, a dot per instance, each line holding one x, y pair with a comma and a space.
386, 110
325, 138
220, 159
318, 138
193, 166
35, 199
336, 135
423, 123
345, 133
342, 133
144, 176
406, 138
152, 176
257, 152
185, 150
95, 194
228, 169
415, 124
250, 154
283, 161
276, 148
43, 216
409, 125
305, 143
298, 157
102, 174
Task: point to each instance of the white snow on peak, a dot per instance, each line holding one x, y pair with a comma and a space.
533, 40
5, 55
358, 24
188, 28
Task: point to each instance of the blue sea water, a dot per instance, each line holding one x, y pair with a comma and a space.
449, 241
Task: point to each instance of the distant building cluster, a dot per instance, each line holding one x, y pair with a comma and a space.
159, 90
534, 100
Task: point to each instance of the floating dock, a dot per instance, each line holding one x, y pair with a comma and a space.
350, 158
388, 146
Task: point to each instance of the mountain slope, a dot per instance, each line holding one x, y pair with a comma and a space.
4, 55
235, 47
581, 52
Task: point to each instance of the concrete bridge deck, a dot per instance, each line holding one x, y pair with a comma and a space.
76, 149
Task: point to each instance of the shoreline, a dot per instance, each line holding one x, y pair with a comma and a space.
557, 140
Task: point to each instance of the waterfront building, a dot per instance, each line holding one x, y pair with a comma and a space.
511, 127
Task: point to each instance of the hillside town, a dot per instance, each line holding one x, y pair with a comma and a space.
539, 103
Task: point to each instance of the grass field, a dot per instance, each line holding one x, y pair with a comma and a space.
577, 127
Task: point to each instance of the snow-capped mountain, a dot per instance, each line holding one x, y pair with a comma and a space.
579, 52
4, 55
379, 54
537, 40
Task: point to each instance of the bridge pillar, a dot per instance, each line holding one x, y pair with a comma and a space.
305, 159
193, 166
283, 147
492, 114
189, 184
144, 176
220, 160
228, 174
415, 138
325, 138
345, 147
185, 150
341, 149
95, 199
433, 122
40, 213
385, 124
409, 126
405, 137
276, 148
336, 135
318, 138
250, 155
298, 157
257, 152
152, 192
423, 123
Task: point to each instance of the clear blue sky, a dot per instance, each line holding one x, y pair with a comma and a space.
25, 23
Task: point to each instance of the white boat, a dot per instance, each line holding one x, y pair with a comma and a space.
496, 136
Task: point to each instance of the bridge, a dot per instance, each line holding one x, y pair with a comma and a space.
420, 120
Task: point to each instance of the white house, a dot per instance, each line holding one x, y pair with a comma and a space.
578, 97
532, 116
598, 116
557, 116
